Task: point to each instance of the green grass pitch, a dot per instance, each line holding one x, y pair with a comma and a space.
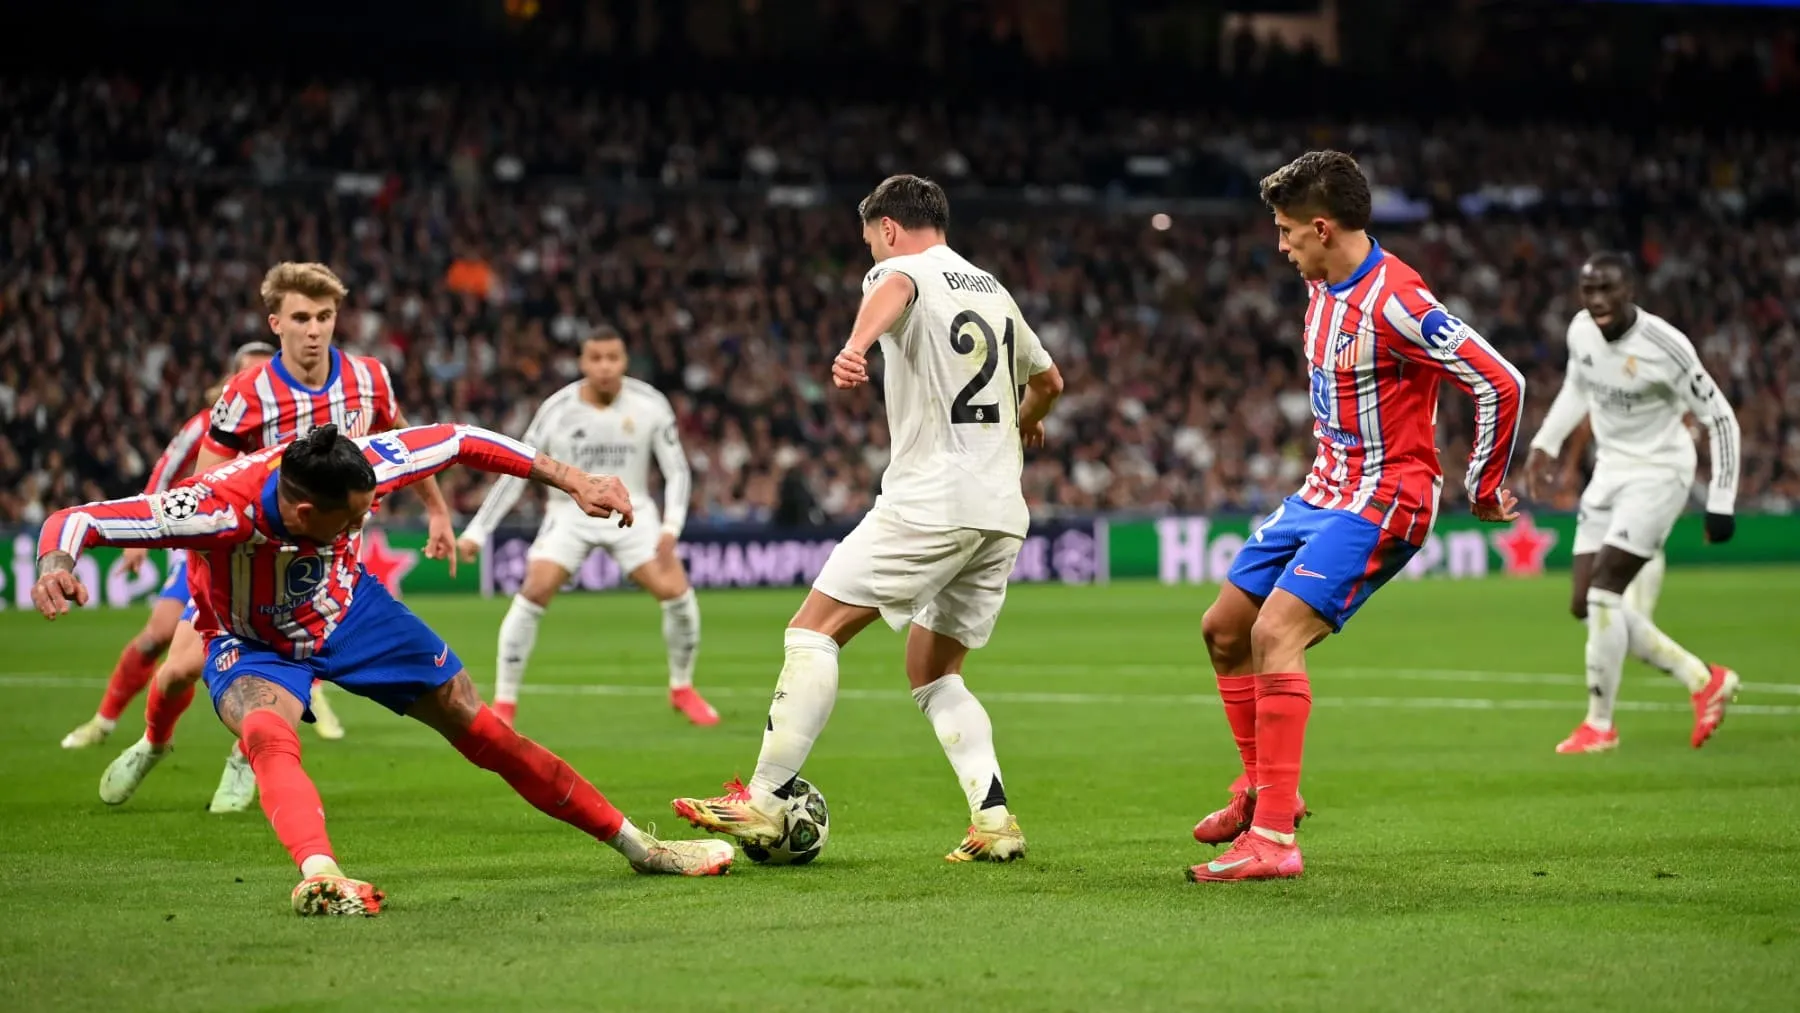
1453, 862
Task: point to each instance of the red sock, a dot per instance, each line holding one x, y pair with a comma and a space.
289, 799
1239, 694
128, 678
1283, 701
539, 776
161, 712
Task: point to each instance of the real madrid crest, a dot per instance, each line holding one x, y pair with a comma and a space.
629, 426
1631, 365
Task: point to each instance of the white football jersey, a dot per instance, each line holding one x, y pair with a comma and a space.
955, 362
1635, 391
619, 439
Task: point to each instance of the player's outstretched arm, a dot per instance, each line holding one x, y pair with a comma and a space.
405, 456
1430, 336
185, 517
886, 298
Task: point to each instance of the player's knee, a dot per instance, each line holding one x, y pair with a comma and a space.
539, 594
152, 642
1227, 640
1274, 634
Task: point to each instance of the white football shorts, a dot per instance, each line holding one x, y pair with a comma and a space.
1633, 511
949, 580
566, 539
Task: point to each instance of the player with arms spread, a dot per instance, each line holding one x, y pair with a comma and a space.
937, 549
1378, 345
137, 663
609, 422
308, 384
283, 601
1634, 376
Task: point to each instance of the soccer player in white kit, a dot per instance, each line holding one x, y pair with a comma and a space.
611, 422
936, 550
1634, 375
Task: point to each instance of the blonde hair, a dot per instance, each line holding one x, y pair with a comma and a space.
314, 281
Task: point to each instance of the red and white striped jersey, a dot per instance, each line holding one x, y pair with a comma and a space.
1378, 345
250, 577
177, 460
266, 406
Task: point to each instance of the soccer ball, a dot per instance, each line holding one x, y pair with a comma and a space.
806, 824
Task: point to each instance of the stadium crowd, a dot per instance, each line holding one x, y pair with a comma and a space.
483, 232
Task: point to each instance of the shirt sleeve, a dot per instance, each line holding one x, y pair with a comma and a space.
1566, 412
180, 450
1707, 402
236, 423
678, 476
189, 516
1429, 336
404, 456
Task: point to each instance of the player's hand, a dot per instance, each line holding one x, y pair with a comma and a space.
440, 540
665, 547
1720, 528
1032, 435
850, 369
55, 590
132, 559
467, 549
1541, 474
1504, 507
603, 496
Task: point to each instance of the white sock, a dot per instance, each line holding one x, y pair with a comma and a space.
966, 734
106, 723
518, 634
804, 696
631, 842
319, 865
1608, 638
1646, 587
681, 635
1653, 647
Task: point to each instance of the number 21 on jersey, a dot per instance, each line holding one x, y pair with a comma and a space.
965, 329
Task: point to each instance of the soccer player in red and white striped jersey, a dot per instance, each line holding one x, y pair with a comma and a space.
137, 662
1378, 347
284, 601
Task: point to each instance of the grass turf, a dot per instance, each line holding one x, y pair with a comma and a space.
1454, 862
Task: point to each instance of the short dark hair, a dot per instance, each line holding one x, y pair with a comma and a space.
323, 468
606, 332
1613, 259
1326, 184
913, 201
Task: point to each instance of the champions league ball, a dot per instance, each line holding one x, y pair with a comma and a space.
806, 825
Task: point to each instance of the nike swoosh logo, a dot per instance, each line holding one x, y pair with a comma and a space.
1300, 570
442, 657
1218, 866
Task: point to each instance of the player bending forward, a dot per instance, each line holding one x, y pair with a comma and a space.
283, 601
939, 545
606, 422
137, 663
308, 383
1634, 375
1377, 344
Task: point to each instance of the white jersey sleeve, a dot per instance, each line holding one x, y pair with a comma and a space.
504, 494
1567, 411
671, 460
1701, 396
